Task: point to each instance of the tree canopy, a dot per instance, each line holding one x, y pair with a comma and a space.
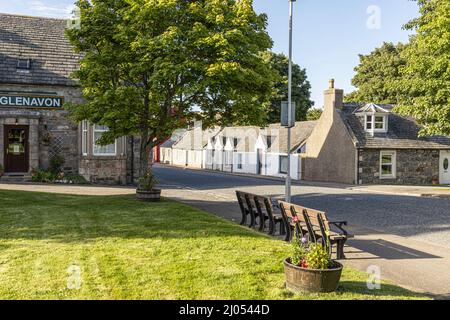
376, 75
300, 88
426, 76
149, 64
414, 76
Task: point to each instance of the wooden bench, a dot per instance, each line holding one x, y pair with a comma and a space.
262, 209
316, 225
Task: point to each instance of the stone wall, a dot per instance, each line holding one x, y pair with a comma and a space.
105, 170
414, 167
51, 132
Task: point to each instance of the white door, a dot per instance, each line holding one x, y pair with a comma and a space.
445, 167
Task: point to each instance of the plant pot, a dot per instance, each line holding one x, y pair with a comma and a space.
153, 195
300, 280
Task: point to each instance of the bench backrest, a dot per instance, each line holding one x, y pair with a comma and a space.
292, 210
255, 202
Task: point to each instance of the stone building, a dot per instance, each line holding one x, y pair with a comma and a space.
366, 144
36, 63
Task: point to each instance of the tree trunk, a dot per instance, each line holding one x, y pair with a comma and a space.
144, 156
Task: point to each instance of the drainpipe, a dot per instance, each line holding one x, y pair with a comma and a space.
357, 167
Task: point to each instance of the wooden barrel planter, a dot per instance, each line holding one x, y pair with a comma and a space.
148, 195
300, 280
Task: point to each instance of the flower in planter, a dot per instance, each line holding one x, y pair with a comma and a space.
310, 255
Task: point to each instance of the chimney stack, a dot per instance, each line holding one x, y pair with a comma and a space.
333, 98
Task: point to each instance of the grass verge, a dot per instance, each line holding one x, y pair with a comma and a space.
114, 247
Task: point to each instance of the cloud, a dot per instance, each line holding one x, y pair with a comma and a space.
54, 11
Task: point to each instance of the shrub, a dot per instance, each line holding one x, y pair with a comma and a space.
75, 179
147, 182
42, 176
56, 164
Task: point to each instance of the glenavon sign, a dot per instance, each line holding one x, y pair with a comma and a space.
30, 101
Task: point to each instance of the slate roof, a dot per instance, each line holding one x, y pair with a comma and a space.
188, 140
176, 136
43, 41
299, 133
402, 132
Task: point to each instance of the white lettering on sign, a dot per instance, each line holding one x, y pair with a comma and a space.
30, 101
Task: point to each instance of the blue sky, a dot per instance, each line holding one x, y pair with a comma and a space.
328, 34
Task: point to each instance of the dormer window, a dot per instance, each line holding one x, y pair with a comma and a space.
375, 123
24, 64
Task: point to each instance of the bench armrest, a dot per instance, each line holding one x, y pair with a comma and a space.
339, 224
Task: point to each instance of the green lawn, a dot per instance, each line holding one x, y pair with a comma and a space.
126, 249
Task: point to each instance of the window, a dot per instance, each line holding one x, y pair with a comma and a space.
283, 164
84, 138
23, 64
387, 164
228, 158
302, 149
239, 161
376, 123
108, 150
379, 122
369, 122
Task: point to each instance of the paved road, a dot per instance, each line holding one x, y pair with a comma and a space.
424, 219
407, 237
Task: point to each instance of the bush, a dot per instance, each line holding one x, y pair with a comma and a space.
43, 176
56, 164
75, 179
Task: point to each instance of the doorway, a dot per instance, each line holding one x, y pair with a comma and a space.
444, 167
16, 149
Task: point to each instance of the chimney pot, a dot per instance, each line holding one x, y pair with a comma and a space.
331, 83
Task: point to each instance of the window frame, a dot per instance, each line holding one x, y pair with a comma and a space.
373, 122
94, 131
84, 137
393, 164
240, 161
279, 163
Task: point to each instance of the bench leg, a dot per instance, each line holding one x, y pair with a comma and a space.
244, 219
282, 229
340, 249
289, 233
252, 220
271, 227
262, 223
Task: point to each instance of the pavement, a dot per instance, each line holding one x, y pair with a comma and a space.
413, 191
405, 237
85, 190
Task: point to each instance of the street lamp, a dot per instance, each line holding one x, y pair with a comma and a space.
290, 120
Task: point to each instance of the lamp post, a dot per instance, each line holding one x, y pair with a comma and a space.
290, 120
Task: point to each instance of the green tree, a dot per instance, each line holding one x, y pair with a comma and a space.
147, 64
426, 76
313, 114
300, 88
377, 74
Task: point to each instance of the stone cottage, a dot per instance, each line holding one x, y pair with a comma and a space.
366, 144
36, 62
